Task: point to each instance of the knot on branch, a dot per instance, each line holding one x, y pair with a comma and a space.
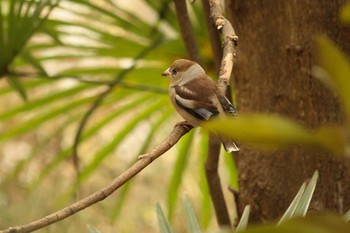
220, 22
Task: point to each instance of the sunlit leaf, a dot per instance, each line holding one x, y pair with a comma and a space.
293, 205
306, 197
302, 199
243, 222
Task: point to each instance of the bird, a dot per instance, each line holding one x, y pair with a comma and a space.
196, 97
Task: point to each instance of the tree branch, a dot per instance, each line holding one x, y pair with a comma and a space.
228, 54
229, 45
178, 131
186, 30
214, 184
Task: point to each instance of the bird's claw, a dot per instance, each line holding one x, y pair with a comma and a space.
185, 124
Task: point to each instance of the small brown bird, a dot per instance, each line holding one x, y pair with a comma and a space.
196, 97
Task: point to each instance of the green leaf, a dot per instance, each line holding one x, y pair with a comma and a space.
243, 222
345, 13
272, 131
190, 215
264, 130
164, 226
337, 66
17, 85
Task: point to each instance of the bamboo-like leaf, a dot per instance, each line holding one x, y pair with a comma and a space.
243, 222
109, 147
276, 131
35, 122
178, 171
34, 62
263, 130
190, 215
17, 85
301, 201
46, 100
305, 199
164, 226
338, 67
24, 18
292, 207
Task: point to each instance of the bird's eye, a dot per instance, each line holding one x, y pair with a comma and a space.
174, 72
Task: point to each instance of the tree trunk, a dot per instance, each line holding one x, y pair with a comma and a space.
273, 75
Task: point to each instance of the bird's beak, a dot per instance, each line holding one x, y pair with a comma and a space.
166, 72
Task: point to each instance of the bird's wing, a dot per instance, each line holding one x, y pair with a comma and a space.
196, 102
226, 104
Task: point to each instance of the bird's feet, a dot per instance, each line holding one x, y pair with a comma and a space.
185, 124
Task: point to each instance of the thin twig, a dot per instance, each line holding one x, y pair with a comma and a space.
186, 30
100, 195
229, 45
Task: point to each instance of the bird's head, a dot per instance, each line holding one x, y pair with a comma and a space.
183, 71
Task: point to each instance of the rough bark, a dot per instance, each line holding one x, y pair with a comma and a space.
273, 74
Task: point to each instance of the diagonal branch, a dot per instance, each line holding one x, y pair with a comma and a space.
100, 195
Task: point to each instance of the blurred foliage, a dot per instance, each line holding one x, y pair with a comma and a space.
293, 220
277, 131
345, 13
100, 61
